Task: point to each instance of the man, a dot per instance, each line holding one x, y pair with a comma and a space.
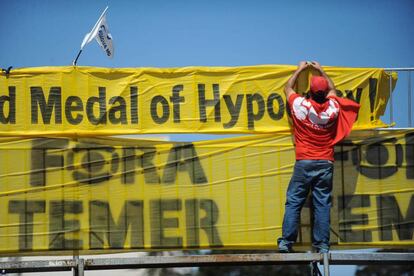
319, 122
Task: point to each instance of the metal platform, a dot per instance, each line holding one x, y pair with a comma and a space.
79, 265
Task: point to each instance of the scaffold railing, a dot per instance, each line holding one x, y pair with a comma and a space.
390, 108
80, 265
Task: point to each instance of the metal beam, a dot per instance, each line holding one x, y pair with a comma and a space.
36, 266
372, 258
326, 264
400, 69
209, 260
202, 260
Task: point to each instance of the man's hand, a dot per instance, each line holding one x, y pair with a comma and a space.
303, 65
316, 65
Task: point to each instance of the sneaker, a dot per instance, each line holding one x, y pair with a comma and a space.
321, 250
284, 247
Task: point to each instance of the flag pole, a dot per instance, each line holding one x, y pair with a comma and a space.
80, 51
76, 59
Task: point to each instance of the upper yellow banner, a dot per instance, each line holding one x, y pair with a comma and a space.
102, 101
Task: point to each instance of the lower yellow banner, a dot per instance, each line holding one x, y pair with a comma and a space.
97, 195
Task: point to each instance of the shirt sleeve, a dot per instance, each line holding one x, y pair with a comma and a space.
291, 99
348, 113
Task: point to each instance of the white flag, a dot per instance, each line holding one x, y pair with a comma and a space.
101, 33
104, 38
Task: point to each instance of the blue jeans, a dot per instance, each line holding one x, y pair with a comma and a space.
314, 175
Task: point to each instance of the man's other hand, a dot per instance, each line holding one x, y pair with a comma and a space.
316, 65
303, 64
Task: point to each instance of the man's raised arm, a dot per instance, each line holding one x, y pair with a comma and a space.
291, 82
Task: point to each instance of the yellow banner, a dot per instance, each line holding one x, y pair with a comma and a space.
97, 195
75, 101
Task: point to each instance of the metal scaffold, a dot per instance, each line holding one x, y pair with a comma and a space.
407, 71
80, 265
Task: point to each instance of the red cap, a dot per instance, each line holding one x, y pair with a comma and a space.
318, 83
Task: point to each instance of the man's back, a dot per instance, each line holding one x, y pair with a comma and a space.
314, 127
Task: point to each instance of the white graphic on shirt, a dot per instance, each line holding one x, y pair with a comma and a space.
305, 112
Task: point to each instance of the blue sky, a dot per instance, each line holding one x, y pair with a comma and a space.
214, 33
229, 33
180, 33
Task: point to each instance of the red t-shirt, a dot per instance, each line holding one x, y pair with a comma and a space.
318, 127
